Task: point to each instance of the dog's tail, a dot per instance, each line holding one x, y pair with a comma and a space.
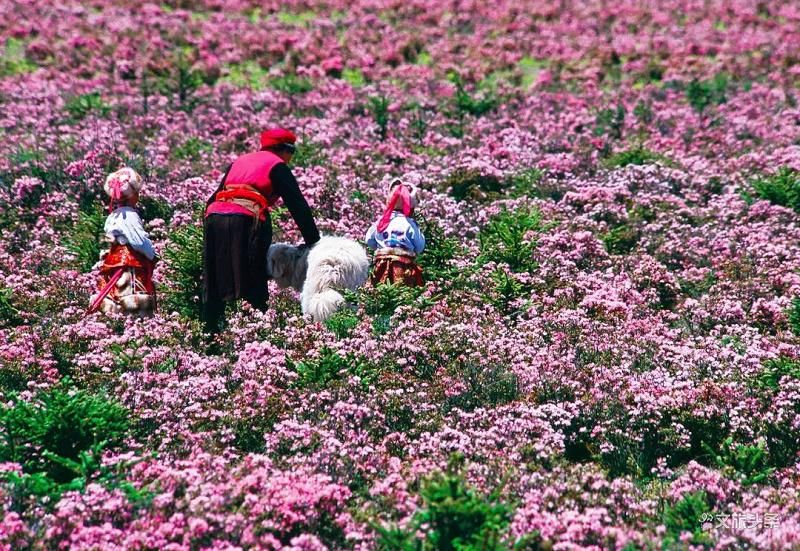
324, 304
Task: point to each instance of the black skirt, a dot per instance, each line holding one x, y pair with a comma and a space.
234, 261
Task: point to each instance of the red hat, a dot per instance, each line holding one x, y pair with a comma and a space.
277, 136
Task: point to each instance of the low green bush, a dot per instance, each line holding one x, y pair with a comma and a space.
511, 238
453, 516
181, 290
781, 188
58, 438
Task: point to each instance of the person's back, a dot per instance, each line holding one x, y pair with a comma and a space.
238, 230
397, 239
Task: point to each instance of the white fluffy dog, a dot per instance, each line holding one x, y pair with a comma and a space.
317, 272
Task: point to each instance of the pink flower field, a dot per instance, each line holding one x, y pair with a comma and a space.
605, 353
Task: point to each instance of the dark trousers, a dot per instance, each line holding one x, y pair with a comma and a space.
234, 264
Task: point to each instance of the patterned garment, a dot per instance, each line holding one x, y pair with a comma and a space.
396, 269
136, 264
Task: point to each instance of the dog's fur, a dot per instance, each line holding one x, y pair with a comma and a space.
332, 263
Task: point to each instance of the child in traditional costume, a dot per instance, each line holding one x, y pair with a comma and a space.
126, 269
397, 239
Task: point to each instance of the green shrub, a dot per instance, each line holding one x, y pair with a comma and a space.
454, 516
528, 183
9, 316
81, 106
781, 188
13, 60
464, 183
380, 301
643, 111
354, 77
152, 208
247, 74
475, 105
636, 156
775, 370
330, 367
747, 464
703, 93
610, 122
794, 315
511, 238
440, 251
291, 84
687, 515
342, 323
309, 154
182, 287
486, 386
59, 437
183, 80
84, 239
378, 107
621, 239
192, 149
506, 290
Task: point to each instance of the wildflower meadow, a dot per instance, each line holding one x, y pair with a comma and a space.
604, 354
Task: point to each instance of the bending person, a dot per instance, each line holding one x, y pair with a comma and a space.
238, 231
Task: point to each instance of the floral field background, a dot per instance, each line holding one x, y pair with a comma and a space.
605, 354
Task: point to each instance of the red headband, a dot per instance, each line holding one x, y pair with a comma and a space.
400, 192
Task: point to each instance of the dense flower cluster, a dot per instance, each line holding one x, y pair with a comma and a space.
606, 342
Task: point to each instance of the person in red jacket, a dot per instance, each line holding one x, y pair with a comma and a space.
238, 231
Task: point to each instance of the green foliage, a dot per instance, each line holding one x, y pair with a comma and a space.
13, 60
330, 367
192, 149
183, 81
506, 290
182, 287
419, 125
687, 515
440, 251
703, 93
794, 316
246, 74
781, 188
643, 111
378, 107
83, 105
530, 183
610, 122
530, 69
9, 315
342, 323
58, 438
354, 77
465, 183
486, 386
380, 301
775, 370
511, 238
291, 84
84, 239
621, 239
299, 19
454, 517
475, 105
309, 154
636, 156
153, 208
748, 464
